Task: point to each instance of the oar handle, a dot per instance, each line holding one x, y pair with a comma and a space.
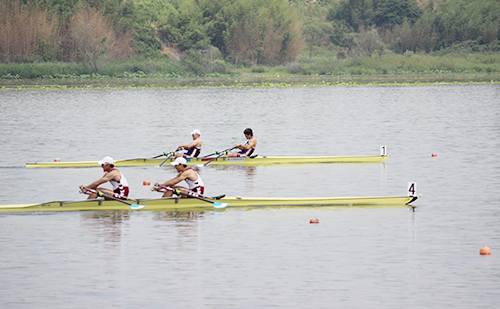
101, 194
85, 190
179, 192
170, 153
220, 154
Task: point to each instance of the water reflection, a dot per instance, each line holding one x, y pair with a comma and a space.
249, 171
113, 226
106, 225
178, 216
182, 230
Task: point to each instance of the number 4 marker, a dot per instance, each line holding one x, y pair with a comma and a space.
412, 189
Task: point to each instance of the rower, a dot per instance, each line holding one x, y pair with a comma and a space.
115, 178
193, 179
194, 148
248, 148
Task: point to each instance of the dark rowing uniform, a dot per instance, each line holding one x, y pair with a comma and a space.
192, 152
246, 152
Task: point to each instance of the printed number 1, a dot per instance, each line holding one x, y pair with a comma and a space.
412, 189
383, 151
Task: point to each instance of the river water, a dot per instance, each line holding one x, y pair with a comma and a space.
356, 257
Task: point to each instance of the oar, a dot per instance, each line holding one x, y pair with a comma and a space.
132, 206
216, 153
214, 204
217, 197
163, 154
169, 155
220, 155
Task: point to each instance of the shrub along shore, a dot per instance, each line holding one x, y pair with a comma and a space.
251, 80
390, 69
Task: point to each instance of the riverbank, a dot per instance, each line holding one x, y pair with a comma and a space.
249, 80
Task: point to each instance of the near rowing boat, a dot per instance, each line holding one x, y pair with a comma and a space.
194, 204
258, 160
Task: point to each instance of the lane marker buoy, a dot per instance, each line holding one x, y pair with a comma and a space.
485, 251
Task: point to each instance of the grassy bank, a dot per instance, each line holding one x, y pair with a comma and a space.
251, 80
388, 69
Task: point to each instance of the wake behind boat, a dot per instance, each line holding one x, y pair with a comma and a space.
194, 204
249, 161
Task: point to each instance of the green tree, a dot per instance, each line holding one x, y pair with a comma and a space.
473, 20
369, 42
183, 26
316, 31
262, 31
353, 13
393, 12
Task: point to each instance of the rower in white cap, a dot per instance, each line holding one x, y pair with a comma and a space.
194, 148
193, 179
115, 178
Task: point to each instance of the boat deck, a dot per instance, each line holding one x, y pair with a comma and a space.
193, 204
258, 160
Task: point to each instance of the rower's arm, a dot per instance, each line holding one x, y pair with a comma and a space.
193, 144
107, 177
175, 180
252, 143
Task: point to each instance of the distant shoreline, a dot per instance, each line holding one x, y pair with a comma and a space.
250, 80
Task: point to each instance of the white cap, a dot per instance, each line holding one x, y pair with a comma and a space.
196, 131
178, 161
106, 160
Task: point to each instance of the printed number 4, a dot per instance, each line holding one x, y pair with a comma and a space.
412, 189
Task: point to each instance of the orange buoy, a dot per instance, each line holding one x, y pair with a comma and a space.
485, 251
146, 182
434, 155
57, 160
314, 220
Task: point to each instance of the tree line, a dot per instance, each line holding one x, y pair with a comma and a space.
243, 32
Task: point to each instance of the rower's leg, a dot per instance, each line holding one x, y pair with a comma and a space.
168, 193
93, 195
170, 190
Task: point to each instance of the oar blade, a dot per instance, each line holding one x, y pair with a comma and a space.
137, 206
220, 205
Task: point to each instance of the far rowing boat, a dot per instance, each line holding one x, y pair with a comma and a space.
258, 160
197, 204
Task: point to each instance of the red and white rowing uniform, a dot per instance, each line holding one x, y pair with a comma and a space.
195, 186
120, 187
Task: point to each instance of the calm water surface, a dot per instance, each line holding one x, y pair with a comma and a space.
380, 257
